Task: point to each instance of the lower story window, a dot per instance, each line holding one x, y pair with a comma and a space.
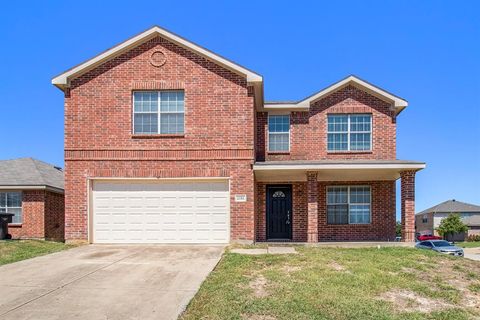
11, 202
348, 205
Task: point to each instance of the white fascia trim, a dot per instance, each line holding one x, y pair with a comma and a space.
62, 80
304, 105
48, 188
285, 107
418, 166
396, 100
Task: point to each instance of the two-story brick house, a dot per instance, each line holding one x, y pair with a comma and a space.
167, 142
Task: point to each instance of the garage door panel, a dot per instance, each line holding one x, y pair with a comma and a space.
160, 212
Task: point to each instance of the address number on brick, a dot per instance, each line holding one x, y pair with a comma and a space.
240, 198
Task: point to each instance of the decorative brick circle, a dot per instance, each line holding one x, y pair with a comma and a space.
158, 59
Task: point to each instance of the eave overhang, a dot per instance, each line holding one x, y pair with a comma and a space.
334, 171
32, 187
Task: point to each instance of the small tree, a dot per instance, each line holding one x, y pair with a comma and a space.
451, 225
398, 229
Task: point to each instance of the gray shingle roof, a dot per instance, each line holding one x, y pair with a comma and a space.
30, 172
452, 206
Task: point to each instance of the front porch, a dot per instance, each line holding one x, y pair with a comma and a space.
333, 201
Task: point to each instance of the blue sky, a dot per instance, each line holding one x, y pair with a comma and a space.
427, 52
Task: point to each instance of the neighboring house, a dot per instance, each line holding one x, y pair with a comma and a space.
33, 191
427, 221
168, 142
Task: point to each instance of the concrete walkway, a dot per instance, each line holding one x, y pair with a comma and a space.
267, 250
106, 282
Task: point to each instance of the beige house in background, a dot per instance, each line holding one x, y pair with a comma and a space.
427, 221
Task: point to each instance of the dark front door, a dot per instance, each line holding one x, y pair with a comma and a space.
279, 212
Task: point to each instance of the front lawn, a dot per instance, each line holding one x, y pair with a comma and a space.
332, 283
16, 250
472, 244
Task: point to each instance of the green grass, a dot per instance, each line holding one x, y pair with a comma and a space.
466, 244
16, 250
332, 283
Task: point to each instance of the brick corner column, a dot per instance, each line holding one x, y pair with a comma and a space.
408, 205
312, 196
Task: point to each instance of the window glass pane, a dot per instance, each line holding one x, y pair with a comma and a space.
172, 101
360, 122
278, 123
337, 141
337, 123
17, 218
171, 123
145, 123
278, 142
359, 194
14, 199
360, 141
337, 214
337, 195
145, 101
360, 213
3, 199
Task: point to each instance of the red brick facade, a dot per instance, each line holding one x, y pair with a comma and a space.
218, 139
381, 228
408, 205
308, 129
224, 136
43, 216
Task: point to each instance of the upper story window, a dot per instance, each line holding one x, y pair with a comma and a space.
349, 132
348, 205
424, 218
279, 133
11, 202
158, 112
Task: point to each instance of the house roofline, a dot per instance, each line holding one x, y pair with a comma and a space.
304, 105
32, 187
62, 80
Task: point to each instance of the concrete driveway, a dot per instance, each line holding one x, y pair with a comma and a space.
106, 282
472, 253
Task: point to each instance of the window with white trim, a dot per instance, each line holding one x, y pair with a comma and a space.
279, 133
348, 205
11, 202
158, 112
349, 132
424, 218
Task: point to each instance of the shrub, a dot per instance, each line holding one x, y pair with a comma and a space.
473, 238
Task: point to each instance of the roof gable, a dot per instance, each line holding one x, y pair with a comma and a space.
62, 81
304, 105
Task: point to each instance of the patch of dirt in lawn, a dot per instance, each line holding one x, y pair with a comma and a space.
289, 269
409, 301
337, 267
259, 286
469, 298
257, 317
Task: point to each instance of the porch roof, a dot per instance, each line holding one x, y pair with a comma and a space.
334, 170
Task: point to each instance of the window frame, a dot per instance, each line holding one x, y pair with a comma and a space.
425, 218
158, 112
349, 132
6, 205
289, 132
348, 203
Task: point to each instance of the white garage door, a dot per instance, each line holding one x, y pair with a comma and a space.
176, 211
